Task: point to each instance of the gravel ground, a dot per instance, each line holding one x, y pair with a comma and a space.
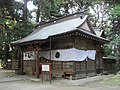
21, 83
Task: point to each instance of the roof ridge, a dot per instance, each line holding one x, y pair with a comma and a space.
60, 19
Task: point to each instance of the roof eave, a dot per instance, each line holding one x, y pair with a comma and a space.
103, 40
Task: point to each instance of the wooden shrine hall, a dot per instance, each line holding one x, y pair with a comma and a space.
69, 44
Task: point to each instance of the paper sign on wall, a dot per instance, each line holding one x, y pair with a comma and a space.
30, 55
45, 68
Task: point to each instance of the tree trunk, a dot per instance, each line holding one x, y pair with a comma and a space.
25, 10
38, 11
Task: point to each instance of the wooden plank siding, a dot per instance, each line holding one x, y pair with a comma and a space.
84, 44
29, 67
109, 66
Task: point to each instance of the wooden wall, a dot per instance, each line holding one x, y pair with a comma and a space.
85, 68
29, 67
76, 69
63, 43
109, 66
70, 42
99, 63
84, 44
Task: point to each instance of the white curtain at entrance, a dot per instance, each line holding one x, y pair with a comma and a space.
69, 54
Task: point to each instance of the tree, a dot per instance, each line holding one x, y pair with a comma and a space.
113, 33
13, 25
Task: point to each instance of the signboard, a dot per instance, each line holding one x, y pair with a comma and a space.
46, 68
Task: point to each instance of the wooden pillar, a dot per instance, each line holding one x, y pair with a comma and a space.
86, 67
80, 65
74, 63
50, 53
21, 62
50, 48
98, 59
100, 63
95, 66
99, 66
37, 62
51, 65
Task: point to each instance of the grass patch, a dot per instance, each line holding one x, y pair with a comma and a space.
115, 80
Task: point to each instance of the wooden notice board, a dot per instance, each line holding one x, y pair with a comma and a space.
46, 68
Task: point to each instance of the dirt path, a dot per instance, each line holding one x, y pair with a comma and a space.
108, 83
22, 85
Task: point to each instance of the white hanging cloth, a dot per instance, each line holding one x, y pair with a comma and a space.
68, 54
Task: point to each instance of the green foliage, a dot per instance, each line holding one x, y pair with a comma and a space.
113, 34
50, 9
12, 26
115, 80
115, 13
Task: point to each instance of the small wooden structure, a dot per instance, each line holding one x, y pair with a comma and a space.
109, 65
68, 43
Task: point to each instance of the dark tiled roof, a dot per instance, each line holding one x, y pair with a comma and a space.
62, 27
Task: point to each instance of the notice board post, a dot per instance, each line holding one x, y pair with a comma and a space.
46, 68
